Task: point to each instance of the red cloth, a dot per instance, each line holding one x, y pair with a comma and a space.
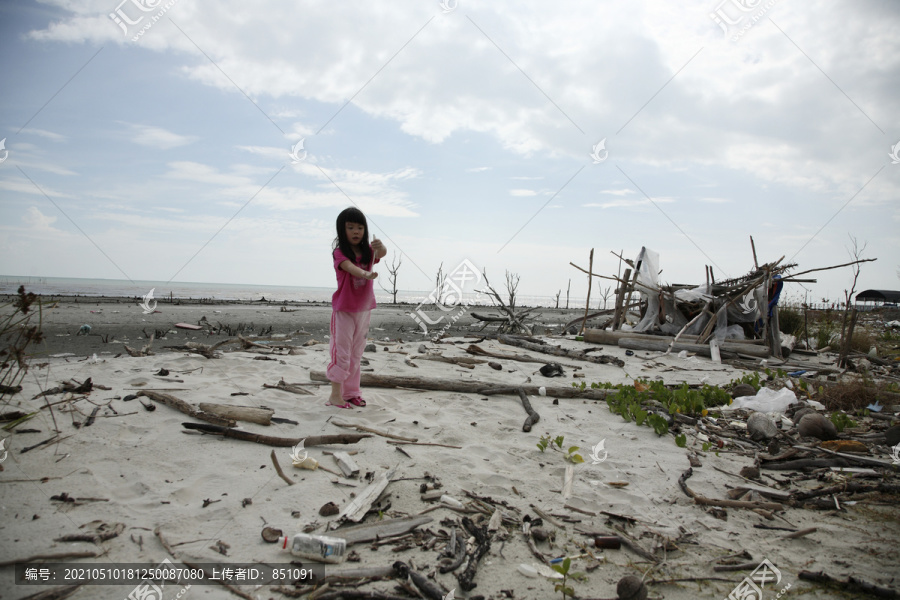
354, 294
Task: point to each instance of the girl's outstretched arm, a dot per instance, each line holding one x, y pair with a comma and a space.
378, 248
356, 271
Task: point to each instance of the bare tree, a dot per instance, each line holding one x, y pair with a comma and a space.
846, 335
605, 294
512, 284
567, 294
557, 298
392, 269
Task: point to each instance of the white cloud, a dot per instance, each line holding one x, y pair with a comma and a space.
156, 137
35, 219
522, 192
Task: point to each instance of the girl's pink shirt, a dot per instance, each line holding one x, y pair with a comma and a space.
354, 294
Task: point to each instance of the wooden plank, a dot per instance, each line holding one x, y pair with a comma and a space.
187, 326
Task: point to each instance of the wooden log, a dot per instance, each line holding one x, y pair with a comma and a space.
357, 509
601, 336
346, 464
380, 529
466, 387
280, 442
730, 351
473, 349
181, 405
558, 351
262, 416
587, 302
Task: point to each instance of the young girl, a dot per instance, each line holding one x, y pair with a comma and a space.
351, 304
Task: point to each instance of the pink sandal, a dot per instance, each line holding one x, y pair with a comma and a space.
344, 405
357, 401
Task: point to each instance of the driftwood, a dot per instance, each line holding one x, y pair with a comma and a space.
462, 361
95, 537
558, 351
682, 481
730, 351
294, 388
262, 416
428, 589
466, 387
181, 405
473, 349
378, 530
851, 585
280, 442
533, 417
356, 510
278, 470
58, 556
67, 386
455, 553
848, 488
346, 464
372, 430
482, 547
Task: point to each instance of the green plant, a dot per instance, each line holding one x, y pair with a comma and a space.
572, 457
790, 320
842, 421
17, 333
563, 569
681, 440
570, 454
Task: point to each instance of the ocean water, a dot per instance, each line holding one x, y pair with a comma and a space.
55, 286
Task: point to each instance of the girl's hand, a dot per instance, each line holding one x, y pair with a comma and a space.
370, 275
377, 245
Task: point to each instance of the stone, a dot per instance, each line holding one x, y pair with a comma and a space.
817, 426
761, 427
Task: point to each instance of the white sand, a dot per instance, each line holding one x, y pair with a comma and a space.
154, 475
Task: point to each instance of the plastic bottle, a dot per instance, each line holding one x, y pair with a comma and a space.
316, 547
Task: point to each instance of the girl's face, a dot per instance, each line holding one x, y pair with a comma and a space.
355, 232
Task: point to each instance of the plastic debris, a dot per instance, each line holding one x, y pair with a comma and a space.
765, 400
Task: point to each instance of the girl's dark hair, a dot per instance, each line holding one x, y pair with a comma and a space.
352, 215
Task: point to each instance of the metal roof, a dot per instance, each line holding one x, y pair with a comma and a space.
878, 296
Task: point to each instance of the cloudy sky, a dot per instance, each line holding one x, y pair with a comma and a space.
153, 140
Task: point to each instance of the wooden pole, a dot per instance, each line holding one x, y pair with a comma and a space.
620, 300
587, 302
753, 247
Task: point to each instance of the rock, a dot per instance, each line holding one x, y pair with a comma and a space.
329, 509
803, 412
551, 370
892, 436
750, 472
761, 427
370, 348
495, 366
631, 587
817, 426
743, 389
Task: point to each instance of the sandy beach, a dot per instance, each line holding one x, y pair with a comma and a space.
137, 471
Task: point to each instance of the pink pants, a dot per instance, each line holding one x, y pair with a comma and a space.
348, 340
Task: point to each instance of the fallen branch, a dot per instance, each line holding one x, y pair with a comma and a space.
54, 594
466, 387
278, 470
280, 442
293, 388
181, 405
533, 417
372, 430
559, 351
851, 585
482, 547
682, 481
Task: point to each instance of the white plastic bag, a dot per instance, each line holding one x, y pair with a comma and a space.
765, 400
